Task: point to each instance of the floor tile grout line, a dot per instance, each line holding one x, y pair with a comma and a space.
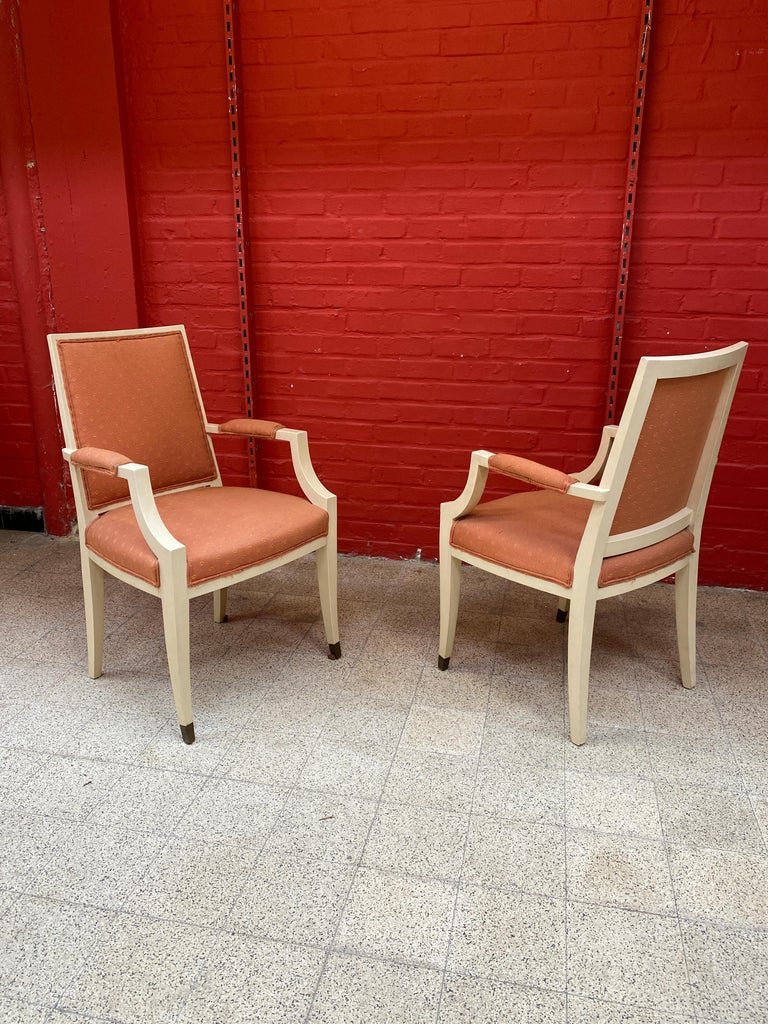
690, 987
464, 850
331, 946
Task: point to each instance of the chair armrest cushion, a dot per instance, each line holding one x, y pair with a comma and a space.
530, 472
250, 428
99, 460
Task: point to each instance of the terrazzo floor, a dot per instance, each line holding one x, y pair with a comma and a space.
371, 840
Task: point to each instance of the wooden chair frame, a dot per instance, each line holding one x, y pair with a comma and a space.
174, 591
611, 464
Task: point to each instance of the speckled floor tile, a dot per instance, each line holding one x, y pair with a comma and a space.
357, 991
511, 936
270, 758
26, 844
229, 811
395, 917
728, 972
322, 825
627, 957
612, 804
246, 980
512, 855
482, 1001
69, 787
42, 943
14, 1012
685, 761
147, 800
416, 841
336, 768
610, 751
140, 973
426, 779
591, 1011
723, 887
520, 793
760, 807
443, 730
619, 871
694, 816
466, 691
366, 725
96, 865
194, 883
102, 806
292, 899
682, 713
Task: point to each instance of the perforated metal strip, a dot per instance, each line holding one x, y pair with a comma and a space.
630, 194
240, 200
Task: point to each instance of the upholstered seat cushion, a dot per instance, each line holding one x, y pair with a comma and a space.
224, 529
538, 533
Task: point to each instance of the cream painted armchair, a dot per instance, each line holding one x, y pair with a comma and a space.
150, 504
632, 517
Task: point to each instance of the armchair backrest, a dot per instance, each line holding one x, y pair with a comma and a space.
133, 392
667, 443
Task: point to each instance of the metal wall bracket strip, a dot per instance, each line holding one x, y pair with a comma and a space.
630, 202
240, 202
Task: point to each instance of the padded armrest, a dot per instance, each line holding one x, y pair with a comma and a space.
99, 460
530, 472
250, 428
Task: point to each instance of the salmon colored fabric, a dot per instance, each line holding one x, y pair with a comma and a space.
224, 529
530, 472
251, 428
668, 450
136, 395
538, 533
98, 460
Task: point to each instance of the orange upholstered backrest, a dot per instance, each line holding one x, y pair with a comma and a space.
669, 449
136, 395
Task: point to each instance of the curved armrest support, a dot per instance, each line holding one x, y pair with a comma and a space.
153, 529
96, 460
307, 478
246, 428
531, 472
596, 465
473, 489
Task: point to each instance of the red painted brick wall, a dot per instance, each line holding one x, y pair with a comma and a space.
19, 477
701, 246
436, 194
175, 92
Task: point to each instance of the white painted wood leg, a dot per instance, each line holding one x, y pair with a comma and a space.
562, 609
686, 589
93, 595
580, 626
175, 602
220, 605
450, 588
328, 586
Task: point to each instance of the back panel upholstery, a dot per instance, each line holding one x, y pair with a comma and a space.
136, 395
669, 449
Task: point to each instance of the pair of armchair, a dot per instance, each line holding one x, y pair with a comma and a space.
152, 510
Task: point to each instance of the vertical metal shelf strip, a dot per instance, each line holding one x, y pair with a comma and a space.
630, 202
240, 203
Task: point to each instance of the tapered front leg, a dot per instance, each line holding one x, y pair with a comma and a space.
93, 595
327, 585
686, 589
580, 627
175, 600
450, 587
